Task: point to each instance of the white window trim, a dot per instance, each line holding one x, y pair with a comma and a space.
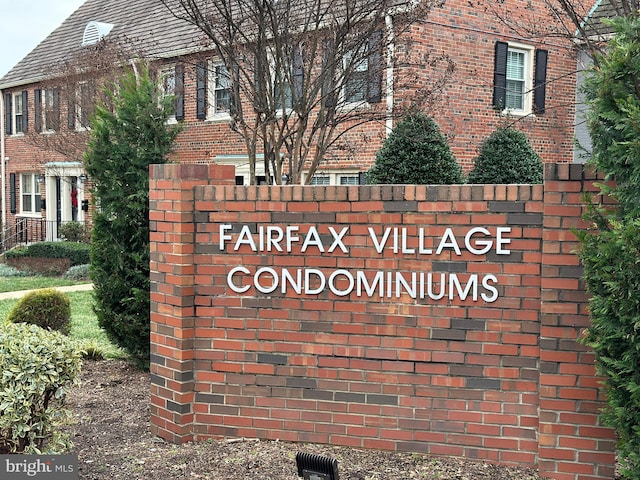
284, 111
362, 104
212, 115
14, 113
529, 52
34, 194
168, 71
46, 108
78, 107
336, 175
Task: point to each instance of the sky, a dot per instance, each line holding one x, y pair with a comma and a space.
26, 24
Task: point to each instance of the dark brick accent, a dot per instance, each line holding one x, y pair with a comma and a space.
272, 359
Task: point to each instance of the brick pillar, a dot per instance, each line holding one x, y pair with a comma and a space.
172, 243
572, 443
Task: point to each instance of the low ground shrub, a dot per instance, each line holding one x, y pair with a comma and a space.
78, 273
73, 232
9, 271
38, 368
46, 308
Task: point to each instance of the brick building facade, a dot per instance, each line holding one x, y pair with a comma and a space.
39, 180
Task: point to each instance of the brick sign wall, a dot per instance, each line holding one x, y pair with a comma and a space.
435, 319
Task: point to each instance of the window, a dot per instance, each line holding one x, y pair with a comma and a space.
282, 94
51, 111
336, 177
46, 105
282, 91
84, 105
363, 70
172, 85
355, 88
516, 80
220, 99
30, 193
168, 85
516, 89
321, 180
19, 107
349, 180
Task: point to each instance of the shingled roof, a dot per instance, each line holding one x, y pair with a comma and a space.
155, 31
595, 27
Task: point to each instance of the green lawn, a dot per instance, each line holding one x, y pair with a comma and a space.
13, 284
84, 324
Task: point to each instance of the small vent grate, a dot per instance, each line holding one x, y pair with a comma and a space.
94, 32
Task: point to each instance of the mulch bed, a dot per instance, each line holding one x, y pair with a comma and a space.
113, 441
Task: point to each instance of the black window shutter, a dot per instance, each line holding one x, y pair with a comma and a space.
12, 192
56, 110
201, 90
71, 111
235, 90
259, 80
374, 83
540, 82
7, 113
298, 74
179, 93
37, 109
25, 111
500, 75
329, 96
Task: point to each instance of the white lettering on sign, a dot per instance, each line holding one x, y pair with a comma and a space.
341, 282
384, 284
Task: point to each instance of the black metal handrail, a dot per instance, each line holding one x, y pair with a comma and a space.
28, 230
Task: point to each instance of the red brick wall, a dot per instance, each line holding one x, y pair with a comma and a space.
502, 379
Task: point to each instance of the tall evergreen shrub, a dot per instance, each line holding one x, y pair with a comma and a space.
124, 141
415, 153
611, 246
506, 156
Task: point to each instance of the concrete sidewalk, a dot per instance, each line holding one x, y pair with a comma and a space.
70, 288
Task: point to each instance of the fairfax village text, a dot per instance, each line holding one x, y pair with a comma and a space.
372, 283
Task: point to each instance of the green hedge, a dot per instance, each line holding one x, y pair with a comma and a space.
77, 253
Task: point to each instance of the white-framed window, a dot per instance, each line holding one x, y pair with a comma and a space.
349, 179
321, 180
29, 194
18, 113
168, 87
355, 85
50, 112
282, 95
219, 93
518, 99
337, 177
84, 105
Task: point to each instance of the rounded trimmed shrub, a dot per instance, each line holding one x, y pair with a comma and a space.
415, 153
47, 308
38, 369
506, 157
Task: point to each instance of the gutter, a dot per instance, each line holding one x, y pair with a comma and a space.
2, 165
390, 71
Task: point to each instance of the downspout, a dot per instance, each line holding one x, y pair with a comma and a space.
2, 166
390, 61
